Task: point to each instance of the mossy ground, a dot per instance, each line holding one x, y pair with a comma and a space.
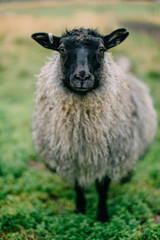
35, 203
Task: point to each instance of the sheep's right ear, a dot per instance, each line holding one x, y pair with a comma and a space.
115, 38
47, 40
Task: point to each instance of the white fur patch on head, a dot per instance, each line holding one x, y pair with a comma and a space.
50, 36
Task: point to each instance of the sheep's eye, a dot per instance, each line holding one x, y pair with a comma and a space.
101, 50
62, 50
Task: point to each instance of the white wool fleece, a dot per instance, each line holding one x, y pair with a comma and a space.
104, 132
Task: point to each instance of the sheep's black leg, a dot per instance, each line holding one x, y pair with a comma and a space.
102, 188
80, 199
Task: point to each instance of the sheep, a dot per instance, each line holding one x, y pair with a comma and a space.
92, 121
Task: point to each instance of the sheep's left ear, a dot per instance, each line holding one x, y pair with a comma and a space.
47, 40
115, 38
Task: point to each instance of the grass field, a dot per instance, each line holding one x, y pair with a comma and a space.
36, 204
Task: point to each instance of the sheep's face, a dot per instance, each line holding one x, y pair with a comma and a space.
81, 62
81, 55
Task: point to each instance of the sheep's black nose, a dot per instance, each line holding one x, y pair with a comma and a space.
82, 75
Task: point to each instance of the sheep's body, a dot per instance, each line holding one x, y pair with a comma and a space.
104, 132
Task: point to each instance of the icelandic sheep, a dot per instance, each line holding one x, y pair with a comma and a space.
92, 121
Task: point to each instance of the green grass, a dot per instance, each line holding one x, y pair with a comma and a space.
37, 204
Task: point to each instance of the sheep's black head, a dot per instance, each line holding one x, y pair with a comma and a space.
82, 54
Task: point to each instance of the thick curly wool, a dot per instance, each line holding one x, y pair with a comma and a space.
104, 132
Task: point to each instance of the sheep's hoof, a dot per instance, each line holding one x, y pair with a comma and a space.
103, 217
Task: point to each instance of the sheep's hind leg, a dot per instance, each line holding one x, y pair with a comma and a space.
80, 199
127, 178
102, 188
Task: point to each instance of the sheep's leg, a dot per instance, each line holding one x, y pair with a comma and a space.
127, 178
80, 199
102, 188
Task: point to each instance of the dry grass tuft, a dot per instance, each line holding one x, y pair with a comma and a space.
24, 25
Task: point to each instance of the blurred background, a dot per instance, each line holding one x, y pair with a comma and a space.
29, 193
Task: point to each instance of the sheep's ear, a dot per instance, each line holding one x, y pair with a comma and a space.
115, 38
47, 40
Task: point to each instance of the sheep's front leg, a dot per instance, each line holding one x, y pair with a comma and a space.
102, 188
80, 199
